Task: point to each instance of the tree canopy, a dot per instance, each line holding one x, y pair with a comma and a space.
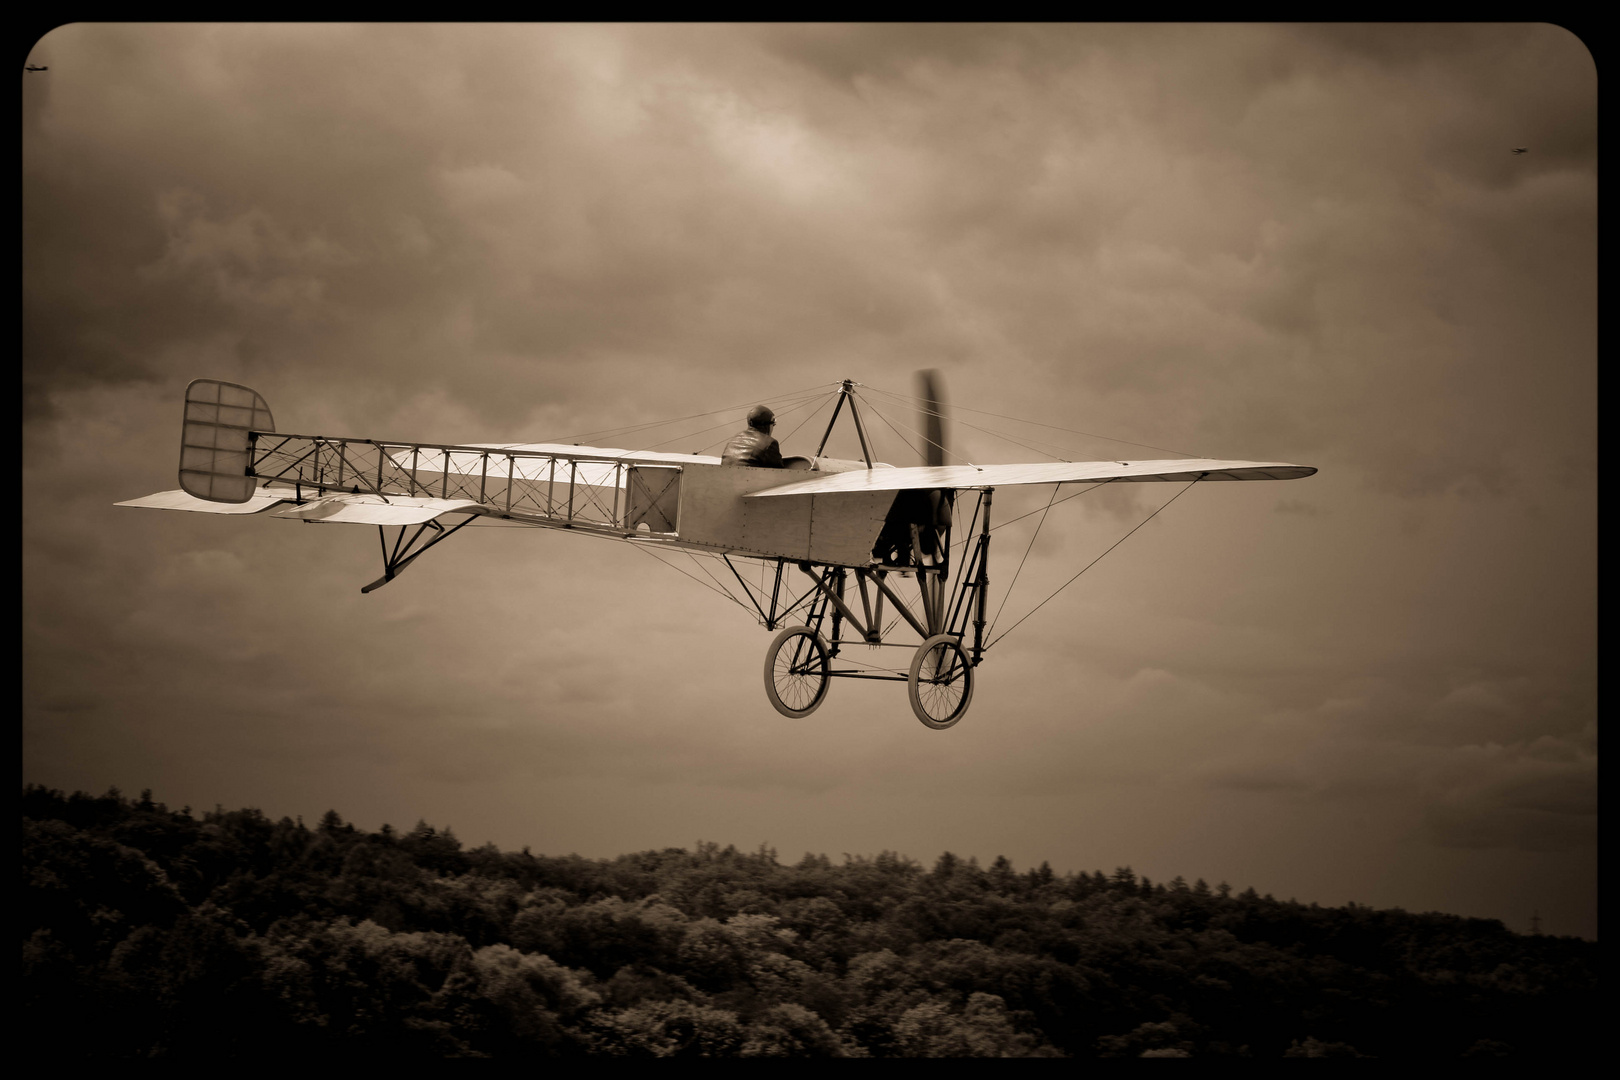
156, 933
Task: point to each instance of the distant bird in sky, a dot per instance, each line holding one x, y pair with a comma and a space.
1521, 149
31, 67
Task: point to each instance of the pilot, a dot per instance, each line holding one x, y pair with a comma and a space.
754, 446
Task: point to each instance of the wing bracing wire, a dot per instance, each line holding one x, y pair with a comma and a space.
909, 400
1090, 564
632, 428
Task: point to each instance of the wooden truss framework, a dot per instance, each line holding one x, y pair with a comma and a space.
544, 488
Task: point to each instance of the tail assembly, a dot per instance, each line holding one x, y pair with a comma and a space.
216, 454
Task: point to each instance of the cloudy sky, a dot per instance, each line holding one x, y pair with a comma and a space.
1306, 244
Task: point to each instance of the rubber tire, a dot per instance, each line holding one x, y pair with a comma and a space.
914, 683
777, 643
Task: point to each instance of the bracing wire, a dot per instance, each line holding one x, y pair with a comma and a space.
654, 555
713, 584
716, 580
628, 429
976, 427
1035, 423
874, 411
790, 408
1008, 594
996, 434
825, 401
963, 543
1060, 502
943, 449
1094, 562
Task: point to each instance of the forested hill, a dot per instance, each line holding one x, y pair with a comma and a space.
149, 932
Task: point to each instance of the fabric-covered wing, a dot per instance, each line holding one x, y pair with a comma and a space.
1050, 472
349, 509
261, 500
366, 509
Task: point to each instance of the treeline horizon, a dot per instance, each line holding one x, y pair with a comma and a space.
156, 933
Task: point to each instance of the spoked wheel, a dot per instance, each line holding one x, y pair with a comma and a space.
941, 683
796, 667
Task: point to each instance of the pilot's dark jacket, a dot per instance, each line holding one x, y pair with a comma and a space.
753, 447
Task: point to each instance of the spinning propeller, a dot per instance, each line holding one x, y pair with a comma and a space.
933, 428
933, 420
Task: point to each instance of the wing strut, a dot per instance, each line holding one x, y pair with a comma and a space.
405, 551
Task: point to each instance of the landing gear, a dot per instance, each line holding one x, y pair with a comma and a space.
797, 672
941, 682
845, 606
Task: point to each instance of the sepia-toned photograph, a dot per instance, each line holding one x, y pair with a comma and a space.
847, 540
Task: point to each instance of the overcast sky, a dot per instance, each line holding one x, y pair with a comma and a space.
1304, 244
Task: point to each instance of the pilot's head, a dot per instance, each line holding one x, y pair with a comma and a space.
761, 419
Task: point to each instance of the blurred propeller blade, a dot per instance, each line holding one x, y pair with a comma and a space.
933, 427
933, 422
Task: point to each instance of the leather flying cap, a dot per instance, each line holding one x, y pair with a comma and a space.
761, 418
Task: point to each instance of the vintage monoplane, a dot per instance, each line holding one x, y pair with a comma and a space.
854, 528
